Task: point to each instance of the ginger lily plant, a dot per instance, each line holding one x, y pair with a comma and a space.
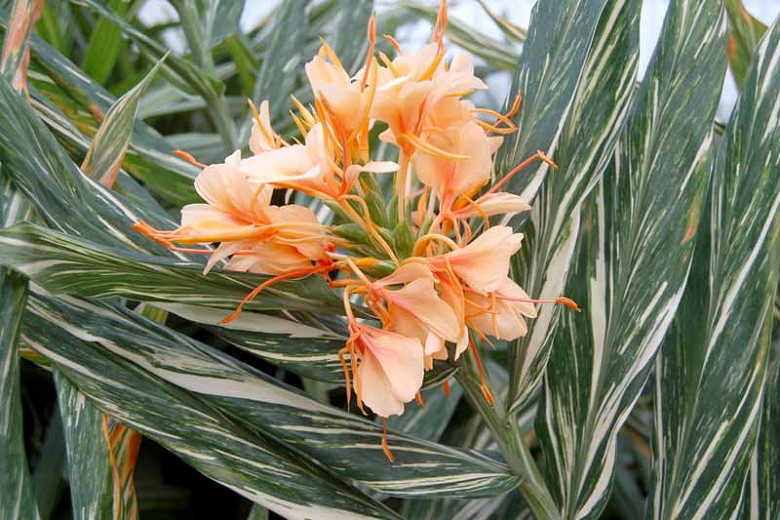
358, 309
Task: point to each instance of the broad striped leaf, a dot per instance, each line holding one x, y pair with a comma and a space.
636, 251
347, 445
746, 31
65, 264
348, 28
711, 374
595, 118
430, 421
108, 148
559, 39
253, 465
16, 493
285, 55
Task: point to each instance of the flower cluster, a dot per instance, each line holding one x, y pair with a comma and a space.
428, 265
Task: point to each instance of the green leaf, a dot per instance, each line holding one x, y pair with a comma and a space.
430, 421
764, 479
710, 378
220, 19
746, 31
70, 265
585, 146
253, 465
108, 148
348, 445
559, 39
104, 45
635, 254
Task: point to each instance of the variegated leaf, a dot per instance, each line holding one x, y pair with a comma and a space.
636, 251
595, 118
347, 445
253, 465
16, 493
710, 378
108, 148
554, 54
65, 264
352, 22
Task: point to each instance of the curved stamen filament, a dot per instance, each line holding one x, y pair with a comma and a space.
371, 46
423, 240
297, 273
485, 388
419, 144
538, 155
181, 154
385, 445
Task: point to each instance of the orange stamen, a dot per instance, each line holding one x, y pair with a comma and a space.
181, 154
393, 42
150, 232
446, 387
485, 389
419, 398
538, 155
347, 380
371, 46
385, 446
297, 273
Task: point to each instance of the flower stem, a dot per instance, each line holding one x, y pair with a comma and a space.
515, 452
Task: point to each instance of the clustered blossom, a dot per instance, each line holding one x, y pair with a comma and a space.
444, 285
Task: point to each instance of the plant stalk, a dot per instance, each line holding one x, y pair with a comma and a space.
515, 452
201, 52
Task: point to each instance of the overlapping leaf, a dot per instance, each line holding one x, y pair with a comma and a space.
253, 465
348, 445
66, 264
554, 54
763, 484
710, 378
149, 157
636, 251
595, 118
746, 31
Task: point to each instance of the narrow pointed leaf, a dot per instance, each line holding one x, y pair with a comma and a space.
348, 445
108, 148
554, 54
595, 118
634, 260
710, 378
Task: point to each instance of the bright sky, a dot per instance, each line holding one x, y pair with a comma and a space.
518, 11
